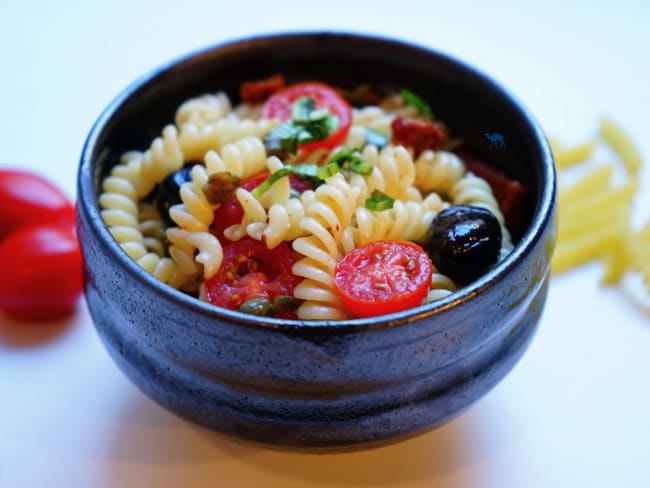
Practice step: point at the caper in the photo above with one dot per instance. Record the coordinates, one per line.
(256, 306)
(282, 303)
(463, 241)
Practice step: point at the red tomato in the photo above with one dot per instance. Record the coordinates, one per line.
(41, 267)
(278, 106)
(26, 198)
(383, 277)
(231, 212)
(250, 270)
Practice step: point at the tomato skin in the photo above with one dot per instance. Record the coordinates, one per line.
(278, 106)
(250, 270)
(382, 277)
(27, 198)
(42, 272)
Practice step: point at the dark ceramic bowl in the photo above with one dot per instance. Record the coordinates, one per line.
(321, 385)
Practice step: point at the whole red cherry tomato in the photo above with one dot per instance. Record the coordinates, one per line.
(41, 266)
(27, 198)
(250, 270)
(278, 106)
(383, 277)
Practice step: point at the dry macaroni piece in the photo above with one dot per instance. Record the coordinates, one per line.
(595, 209)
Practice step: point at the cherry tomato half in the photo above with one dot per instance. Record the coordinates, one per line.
(231, 212)
(250, 270)
(41, 267)
(278, 106)
(27, 198)
(383, 277)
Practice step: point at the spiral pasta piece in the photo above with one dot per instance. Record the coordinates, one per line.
(328, 214)
(135, 228)
(473, 190)
(405, 221)
(203, 110)
(440, 287)
(244, 157)
(438, 171)
(373, 117)
(195, 141)
(151, 226)
(396, 171)
(163, 157)
(195, 213)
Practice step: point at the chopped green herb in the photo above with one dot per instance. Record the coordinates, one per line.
(329, 169)
(352, 158)
(302, 109)
(379, 201)
(259, 190)
(360, 166)
(307, 124)
(413, 100)
(340, 156)
(376, 138)
(306, 171)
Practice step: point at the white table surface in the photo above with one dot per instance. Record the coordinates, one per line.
(574, 412)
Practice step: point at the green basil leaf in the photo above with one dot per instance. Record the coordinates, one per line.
(379, 201)
(413, 100)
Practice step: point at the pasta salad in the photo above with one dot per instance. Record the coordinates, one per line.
(308, 202)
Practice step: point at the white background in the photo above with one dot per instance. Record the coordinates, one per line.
(574, 412)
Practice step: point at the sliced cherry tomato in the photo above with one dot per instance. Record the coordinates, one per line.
(383, 277)
(278, 106)
(27, 198)
(41, 267)
(250, 270)
(231, 212)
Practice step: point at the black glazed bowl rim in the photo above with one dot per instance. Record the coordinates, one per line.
(89, 174)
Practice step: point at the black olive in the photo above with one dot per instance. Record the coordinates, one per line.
(169, 192)
(463, 241)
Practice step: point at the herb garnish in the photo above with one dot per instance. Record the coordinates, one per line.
(307, 124)
(379, 201)
(350, 158)
(413, 100)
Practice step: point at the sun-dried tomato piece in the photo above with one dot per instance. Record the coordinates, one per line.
(257, 91)
(416, 134)
(510, 193)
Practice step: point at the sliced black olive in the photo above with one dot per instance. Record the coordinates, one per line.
(169, 192)
(463, 242)
(256, 306)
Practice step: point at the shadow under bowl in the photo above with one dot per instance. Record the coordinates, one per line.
(320, 385)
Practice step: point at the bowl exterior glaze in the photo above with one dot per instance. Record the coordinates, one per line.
(319, 385)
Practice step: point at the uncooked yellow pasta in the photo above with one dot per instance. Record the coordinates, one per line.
(565, 157)
(595, 210)
(621, 142)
